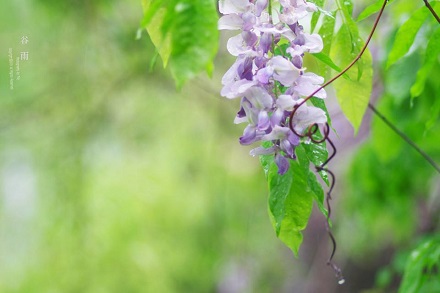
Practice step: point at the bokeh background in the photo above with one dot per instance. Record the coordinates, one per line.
(112, 180)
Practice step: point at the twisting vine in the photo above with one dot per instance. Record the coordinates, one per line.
(270, 79)
(314, 128)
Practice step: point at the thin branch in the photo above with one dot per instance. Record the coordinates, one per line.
(405, 138)
(376, 22)
(315, 128)
(432, 10)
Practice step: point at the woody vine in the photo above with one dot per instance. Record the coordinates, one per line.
(282, 102)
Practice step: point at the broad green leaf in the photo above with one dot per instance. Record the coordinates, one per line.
(317, 154)
(185, 34)
(371, 9)
(290, 198)
(355, 42)
(406, 34)
(421, 269)
(326, 32)
(150, 8)
(318, 192)
(153, 25)
(431, 56)
(353, 95)
(279, 189)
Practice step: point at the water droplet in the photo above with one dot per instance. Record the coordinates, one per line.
(341, 281)
(181, 7)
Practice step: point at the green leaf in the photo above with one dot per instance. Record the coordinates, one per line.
(346, 7)
(420, 270)
(326, 32)
(406, 34)
(350, 27)
(317, 154)
(431, 55)
(184, 33)
(290, 198)
(153, 24)
(150, 8)
(318, 192)
(353, 95)
(371, 9)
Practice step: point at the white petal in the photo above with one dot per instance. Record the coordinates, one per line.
(237, 46)
(232, 6)
(313, 78)
(313, 43)
(305, 116)
(284, 71)
(239, 120)
(230, 22)
(232, 74)
(285, 102)
(277, 132)
(259, 97)
(262, 151)
(236, 89)
(308, 84)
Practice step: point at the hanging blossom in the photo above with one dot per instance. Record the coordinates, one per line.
(270, 85)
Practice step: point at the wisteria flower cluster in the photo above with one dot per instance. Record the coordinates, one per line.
(268, 74)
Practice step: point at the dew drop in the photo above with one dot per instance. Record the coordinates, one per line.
(180, 7)
(341, 281)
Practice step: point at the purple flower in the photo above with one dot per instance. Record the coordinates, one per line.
(270, 85)
(308, 83)
(284, 70)
(306, 116)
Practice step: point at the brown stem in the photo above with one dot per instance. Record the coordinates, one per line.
(376, 22)
(405, 138)
(432, 10)
(314, 128)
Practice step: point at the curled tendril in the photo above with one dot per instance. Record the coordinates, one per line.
(314, 128)
(310, 134)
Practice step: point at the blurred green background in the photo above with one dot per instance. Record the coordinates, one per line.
(114, 181)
